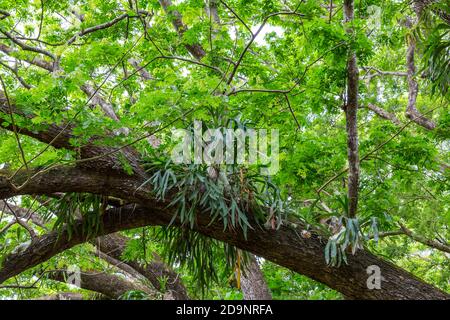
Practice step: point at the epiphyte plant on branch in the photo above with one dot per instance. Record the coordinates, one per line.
(233, 192)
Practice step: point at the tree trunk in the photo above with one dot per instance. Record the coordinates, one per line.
(253, 284)
(351, 111)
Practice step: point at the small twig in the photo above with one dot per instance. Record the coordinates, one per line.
(13, 123)
(238, 17)
(292, 111)
(26, 47)
(247, 47)
(16, 74)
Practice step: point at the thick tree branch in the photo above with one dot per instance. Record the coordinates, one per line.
(115, 244)
(27, 47)
(384, 114)
(253, 284)
(411, 110)
(283, 247)
(112, 286)
(195, 49)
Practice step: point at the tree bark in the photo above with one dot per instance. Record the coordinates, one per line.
(384, 114)
(114, 245)
(351, 110)
(253, 284)
(112, 286)
(195, 49)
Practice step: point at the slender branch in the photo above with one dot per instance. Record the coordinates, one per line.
(97, 28)
(292, 111)
(13, 123)
(425, 241)
(404, 231)
(19, 212)
(26, 47)
(16, 74)
(5, 14)
(41, 20)
(297, 81)
(377, 72)
(411, 111)
(254, 35)
(367, 155)
(384, 114)
(237, 16)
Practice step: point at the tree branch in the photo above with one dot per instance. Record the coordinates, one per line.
(351, 110)
(411, 111)
(195, 49)
(26, 47)
(384, 114)
(115, 244)
(282, 246)
(112, 286)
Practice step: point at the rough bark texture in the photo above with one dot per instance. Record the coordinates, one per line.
(112, 286)
(114, 245)
(19, 212)
(120, 265)
(96, 99)
(143, 73)
(420, 5)
(351, 110)
(253, 284)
